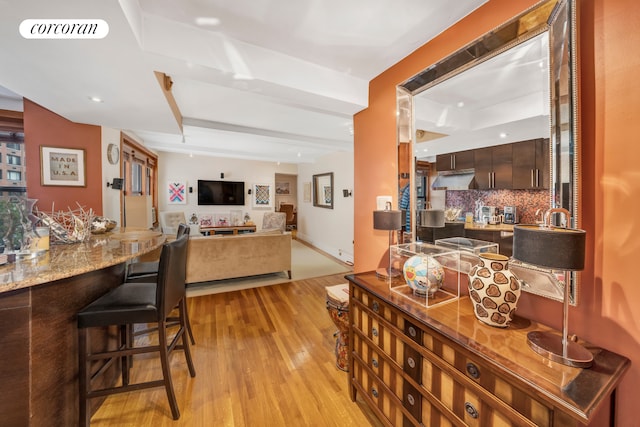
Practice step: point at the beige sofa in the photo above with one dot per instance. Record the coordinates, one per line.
(226, 256)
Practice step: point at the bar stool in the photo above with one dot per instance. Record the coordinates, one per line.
(147, 271)
(132, 303)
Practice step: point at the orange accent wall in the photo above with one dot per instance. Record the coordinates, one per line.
(43, 127)
(375, 133)
(610, 173)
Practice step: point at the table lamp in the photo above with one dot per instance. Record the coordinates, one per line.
(433, 218)
(390, 220)
(558, 249)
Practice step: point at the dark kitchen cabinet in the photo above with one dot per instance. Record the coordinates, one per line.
(504, 239)
(455, 161)
(493, 166)
(531, 164)
(431, 234)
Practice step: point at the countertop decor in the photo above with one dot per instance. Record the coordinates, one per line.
(72, 226)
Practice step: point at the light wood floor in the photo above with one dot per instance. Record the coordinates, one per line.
(263, 357)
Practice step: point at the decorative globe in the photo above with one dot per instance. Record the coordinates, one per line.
(423, 274)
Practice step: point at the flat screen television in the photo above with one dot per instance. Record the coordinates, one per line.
(220, 192)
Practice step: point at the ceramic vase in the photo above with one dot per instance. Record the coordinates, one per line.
(494, 290)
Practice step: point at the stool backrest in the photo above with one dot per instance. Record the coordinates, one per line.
(182, 229)
(172, 274)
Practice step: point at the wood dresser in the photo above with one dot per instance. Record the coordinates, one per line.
(440, 366)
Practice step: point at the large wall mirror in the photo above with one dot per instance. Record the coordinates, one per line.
(513, 84)
(323, 190)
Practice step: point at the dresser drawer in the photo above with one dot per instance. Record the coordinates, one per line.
(474, 393)
(378, 307)
(379, 365)
(380, 332)
(382, 389)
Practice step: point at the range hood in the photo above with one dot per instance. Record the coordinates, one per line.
(455, 180)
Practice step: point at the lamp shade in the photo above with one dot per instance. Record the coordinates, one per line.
(387, 220)
(551, 247)
(432, 218)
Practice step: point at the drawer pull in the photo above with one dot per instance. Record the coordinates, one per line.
(374, 331)
(374, 392)
(411, 362)
(412, 331)
(374, 362)
(473, 371)
(411, 399)
(375, 306)
(471, 410)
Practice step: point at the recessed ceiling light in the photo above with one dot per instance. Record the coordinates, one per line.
(96, 99)
(207, 21)
(503, 135)
(460, 104)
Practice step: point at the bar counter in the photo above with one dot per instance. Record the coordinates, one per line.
(39, 299)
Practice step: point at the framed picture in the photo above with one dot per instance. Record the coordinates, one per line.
(177, 193)
(282, 188)
(206, 220)
(262, 196)
(222, 220)
(62, 167)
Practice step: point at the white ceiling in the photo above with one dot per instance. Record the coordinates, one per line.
(502, 100)
(276, 80)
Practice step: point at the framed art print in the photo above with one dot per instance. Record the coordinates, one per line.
(62, 167)
(177, 193)
(262, 196)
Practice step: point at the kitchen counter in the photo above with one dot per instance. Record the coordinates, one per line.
(488, 227)
(64, 261)
(39, 299)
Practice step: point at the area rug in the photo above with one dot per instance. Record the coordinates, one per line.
(306, 263)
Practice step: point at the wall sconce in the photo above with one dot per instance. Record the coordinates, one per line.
(347, 193)
(116, 184)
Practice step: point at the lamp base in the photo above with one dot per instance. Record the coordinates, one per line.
(385, 273)
(550, 346)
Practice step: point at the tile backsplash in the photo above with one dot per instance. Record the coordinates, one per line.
(527, 202)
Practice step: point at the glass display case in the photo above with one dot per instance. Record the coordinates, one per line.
(425, 273)
(469, 250)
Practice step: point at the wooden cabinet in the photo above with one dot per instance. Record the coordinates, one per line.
(415, 366)
(493, 166)
(531, 164)
(454, 161)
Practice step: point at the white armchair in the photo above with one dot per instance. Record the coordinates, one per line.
(274, 220)
(169, 222)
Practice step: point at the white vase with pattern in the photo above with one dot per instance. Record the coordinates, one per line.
(494, 290)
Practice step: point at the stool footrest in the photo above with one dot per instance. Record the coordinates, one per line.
(125, 388)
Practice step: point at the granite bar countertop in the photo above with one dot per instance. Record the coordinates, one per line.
(67, 260)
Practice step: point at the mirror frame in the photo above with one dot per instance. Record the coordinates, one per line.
(558, 17)
(319, 197)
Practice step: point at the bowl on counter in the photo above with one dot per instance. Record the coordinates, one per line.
(101, 224)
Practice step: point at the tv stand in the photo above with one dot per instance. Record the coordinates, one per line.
(228, 229)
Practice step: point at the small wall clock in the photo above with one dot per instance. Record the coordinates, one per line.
(113, 153)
